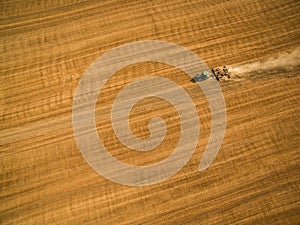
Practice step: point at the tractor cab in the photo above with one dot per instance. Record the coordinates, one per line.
(201, 77)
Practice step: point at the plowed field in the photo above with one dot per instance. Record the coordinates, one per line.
(46, 46)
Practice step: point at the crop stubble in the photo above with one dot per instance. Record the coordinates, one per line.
(47, 45)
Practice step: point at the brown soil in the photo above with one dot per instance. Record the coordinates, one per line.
(47, 45)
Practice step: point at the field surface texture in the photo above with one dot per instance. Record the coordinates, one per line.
(46, 47)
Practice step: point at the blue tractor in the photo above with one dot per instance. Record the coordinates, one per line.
(201, 77)
(216, 72)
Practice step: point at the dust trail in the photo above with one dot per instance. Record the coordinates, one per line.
(282, 60)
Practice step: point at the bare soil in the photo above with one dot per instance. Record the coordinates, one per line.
(47, 45)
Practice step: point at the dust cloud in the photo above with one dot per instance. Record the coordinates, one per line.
(282, 60)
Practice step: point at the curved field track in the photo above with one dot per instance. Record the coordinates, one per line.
(46, 46)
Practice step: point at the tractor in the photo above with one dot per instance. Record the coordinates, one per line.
(201, 77)
(215, 72)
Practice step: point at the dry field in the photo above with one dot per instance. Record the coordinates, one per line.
(46, 46)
